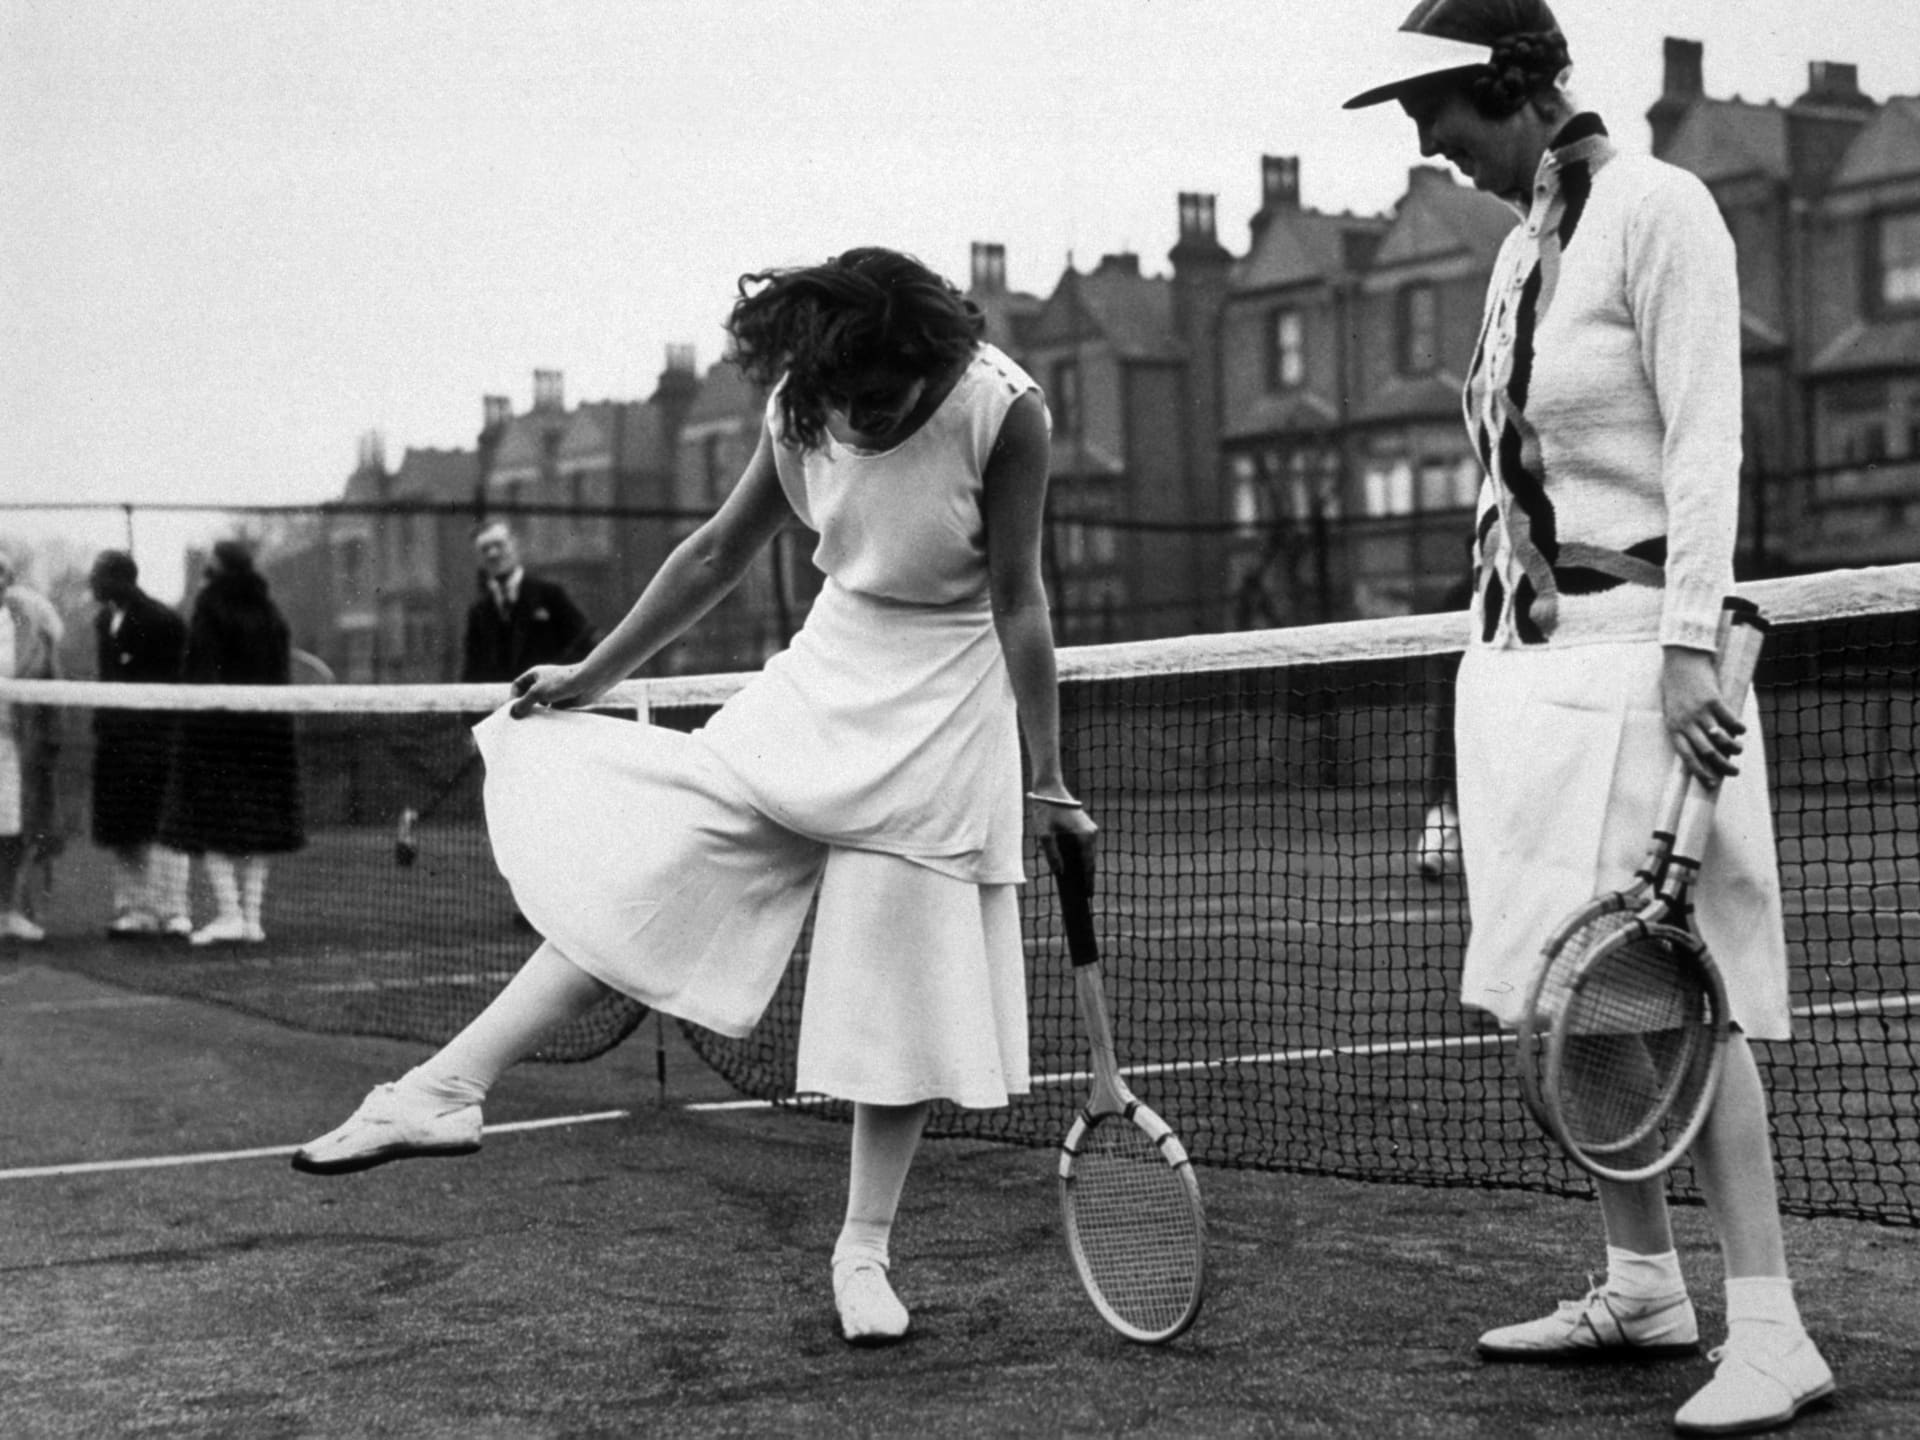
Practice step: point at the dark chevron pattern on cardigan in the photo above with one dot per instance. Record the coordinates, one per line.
(1513, 456)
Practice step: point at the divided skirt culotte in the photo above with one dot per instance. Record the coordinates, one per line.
(877, 761)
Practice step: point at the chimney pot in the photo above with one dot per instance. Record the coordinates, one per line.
(1685, 70)
(1196, 217)
(1280, 182)
(989, 268)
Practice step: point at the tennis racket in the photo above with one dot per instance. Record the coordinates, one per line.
(1634, 1054)
(1576, 937)
(1135, 1225)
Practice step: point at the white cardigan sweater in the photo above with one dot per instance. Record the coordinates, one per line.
(1604, 401)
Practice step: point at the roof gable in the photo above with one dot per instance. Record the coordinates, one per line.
(1131, 312)
(1438, 219)
(1727, 139)
(441, 475)
(725, 394)
(1887, 147)
(1299, 246)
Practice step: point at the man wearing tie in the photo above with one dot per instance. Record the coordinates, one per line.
(519, 620)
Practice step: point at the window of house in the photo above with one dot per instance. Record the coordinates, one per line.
(1063, 396)
(1246, 494)
(1899, 259)
(1419, 329)
(1386, 487)
(1286, 350)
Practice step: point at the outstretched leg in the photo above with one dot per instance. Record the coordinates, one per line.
(885, 1139)
(434, 1109)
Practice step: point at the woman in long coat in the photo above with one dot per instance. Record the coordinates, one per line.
(233, 789)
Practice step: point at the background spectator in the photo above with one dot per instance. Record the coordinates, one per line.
(233, 789)
(140, 641)
(520, 620)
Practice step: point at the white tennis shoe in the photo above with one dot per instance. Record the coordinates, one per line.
(1600, 1327)
(870, 1313)
(392, 1123)
(223, 930)
(1440, 842)
(15, 926)
(1768, 1374)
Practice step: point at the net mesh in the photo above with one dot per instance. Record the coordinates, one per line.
(1282, 972)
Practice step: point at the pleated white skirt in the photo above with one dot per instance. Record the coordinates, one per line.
(1563, 753)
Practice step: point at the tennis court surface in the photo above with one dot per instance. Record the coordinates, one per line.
(664, 1273)
(1283, 982)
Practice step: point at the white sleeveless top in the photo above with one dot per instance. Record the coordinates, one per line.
(889, 723)
(906, 523)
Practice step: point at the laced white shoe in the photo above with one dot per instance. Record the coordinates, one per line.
(132, 924)
(1600, 1327)
(177, 927)
(870, 1313)
(392, 1123)
(226, 930)
(15, 926)
(1763, 1381)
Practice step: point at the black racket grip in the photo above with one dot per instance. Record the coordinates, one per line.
(1073, 870)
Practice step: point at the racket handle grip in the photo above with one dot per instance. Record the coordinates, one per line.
(1746, 635)
(1073, 872)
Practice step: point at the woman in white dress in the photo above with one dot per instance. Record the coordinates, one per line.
(875, 763)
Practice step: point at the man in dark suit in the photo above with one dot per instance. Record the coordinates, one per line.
(519, 620)
(139, 641)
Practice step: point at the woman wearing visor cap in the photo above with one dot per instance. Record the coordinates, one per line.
(1604, 402)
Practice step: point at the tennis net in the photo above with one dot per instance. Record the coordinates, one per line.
(1283, 975)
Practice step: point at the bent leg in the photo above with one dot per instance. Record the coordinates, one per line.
(434, 1109)
(547, 992)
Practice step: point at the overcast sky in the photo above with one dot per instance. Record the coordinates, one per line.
(235, 236)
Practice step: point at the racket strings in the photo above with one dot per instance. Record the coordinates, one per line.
(1638, 1046)
(1137, 1232)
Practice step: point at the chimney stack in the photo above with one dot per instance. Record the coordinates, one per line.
(989, 275)
(1685, 84)
(1279, 182)
(548, 391)
(1821, 124)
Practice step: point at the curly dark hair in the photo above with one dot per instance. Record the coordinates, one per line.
(1522, 65)
(820, 325)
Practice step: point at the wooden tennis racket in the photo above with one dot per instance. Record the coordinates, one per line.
(1135, 1226)
(1637, 1038)
(1576, 937)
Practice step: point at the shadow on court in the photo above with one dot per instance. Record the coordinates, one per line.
(665, 1273)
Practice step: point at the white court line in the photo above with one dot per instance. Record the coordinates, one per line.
(215, 1157)
(1832, 1010)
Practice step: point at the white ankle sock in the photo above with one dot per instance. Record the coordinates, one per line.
(1633, 1276)
(863, 1240)
(1762, 1300)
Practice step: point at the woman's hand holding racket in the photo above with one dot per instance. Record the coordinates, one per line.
(1704, 731)
(1135, 1226)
